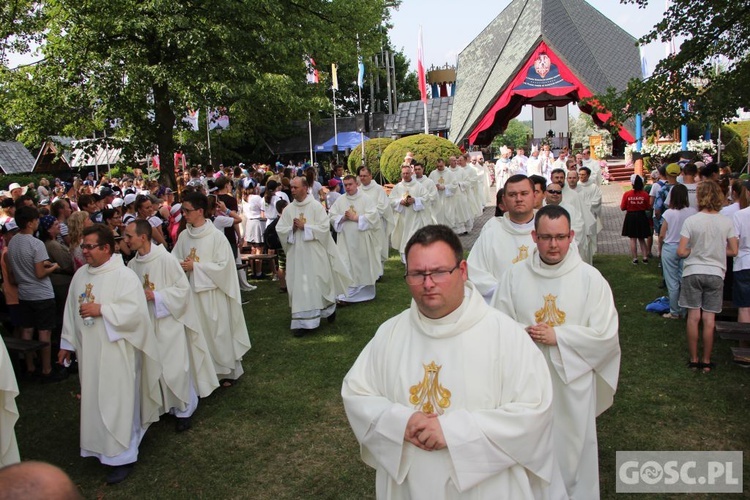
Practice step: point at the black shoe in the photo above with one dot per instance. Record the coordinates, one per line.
(119, 473)
(182, 424)
(298, 332)
(332, 317)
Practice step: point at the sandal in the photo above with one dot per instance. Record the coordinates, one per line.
(635, 262)
(694, 365)
(645, 261)
(708, 367)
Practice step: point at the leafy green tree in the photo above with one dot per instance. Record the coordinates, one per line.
(144, 63)
(709, 71)
(515, 135)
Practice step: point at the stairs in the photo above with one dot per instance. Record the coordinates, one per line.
(618, 171)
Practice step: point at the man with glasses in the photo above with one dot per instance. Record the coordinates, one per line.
(107, 324)
(579, 212)
(504, 241)
(205, 255)
(568, 310)
(450, 398)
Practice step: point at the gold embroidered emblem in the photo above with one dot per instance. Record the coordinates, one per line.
(428, 395)
(352, 210)
(147, 284)
(302, 218)
(523, 253)
(193, 256)
(550, 314)
(441, 181)
(406, 194)
(87, 297)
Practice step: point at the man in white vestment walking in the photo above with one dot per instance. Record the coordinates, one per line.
(444, 210)
(187, 369)
(451, 399)
(106, 323)
(409, 201)
(315, 272)
(568, 310)
(355, 218)
(206, 257)
(504, 241)
(376, 192)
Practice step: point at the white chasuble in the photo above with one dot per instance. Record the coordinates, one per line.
(500, 245)
(463, 203)
(444, 211)
(481, 374)
(118, 359)
(359, 241)
(316, 273)
(182, 345)
(576, 300)
(217, 296)
(410, 218)
(376, 193)
(8, 410)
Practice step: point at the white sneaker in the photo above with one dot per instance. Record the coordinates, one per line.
(248, 288)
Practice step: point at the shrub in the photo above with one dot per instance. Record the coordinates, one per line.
(427, 149)
(374, 149)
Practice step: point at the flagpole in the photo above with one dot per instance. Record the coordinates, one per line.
(360, 82)
(309, 131)
(208, 135)
(422, 79)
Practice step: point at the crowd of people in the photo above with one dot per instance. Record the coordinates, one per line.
(698, 214)
(172, 330)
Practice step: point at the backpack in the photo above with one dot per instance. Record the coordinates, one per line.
(661, 197)
(271, 237)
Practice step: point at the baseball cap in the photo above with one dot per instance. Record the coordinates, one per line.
(673, 169)
(129, 199)
(10, 225)
(117, 202)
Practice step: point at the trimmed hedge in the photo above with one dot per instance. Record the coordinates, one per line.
(374, 149)
(427, 149)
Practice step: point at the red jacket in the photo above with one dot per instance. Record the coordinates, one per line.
(635, 201)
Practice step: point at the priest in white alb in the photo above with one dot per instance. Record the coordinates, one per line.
(315, 272)
(206, 257)
(504, 241)
(464, 214)
(568, 310)
(431, 200)
(450, 399)
(187, 369)
(444, 211)
(409, 203)
(377, 194)
(106, 323)
(355, 218)
(8, 410)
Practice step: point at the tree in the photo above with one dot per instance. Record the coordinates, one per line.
(709, 71)
(515, 135)
(146, 62)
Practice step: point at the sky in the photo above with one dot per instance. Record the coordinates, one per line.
(447, 30)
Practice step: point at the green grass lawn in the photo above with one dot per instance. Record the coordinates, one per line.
(282, 433)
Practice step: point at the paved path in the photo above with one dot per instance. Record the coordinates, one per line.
(610, 242)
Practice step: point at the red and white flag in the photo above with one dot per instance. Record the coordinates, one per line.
(420, 68)
(312, 71)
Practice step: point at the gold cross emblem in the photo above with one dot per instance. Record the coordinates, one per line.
(428, 395)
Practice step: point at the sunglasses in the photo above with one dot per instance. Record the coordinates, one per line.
(553, 191)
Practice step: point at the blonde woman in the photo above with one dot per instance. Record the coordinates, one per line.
(77, 222)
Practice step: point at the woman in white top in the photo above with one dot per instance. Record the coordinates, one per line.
(669, 238)
(312, 181)
(255, 224)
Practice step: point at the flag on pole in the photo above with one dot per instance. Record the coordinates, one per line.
(218, 118)
(361, 73)
(334, 77)
(420, 68)
(191, 119)
(644, 63)
(312, 71)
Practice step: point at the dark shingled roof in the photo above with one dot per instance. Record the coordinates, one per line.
(596, 50)
(410, 117)
(15, 158)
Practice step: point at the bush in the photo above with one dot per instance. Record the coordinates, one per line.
(427, 149)
(374, 149)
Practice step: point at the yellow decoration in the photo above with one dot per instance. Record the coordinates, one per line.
(192, 256)
(352, 210)
(441, 180)
(428, 395)
(550, 314)
(147, 285)
(87, 297)
(523, 253)
(302, 218)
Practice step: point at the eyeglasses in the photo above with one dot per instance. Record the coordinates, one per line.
(549, 237)
(187, 210)
(554, 191)
(436, 276)
(90, 246)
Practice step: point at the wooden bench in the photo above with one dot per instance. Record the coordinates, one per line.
(248, 259)
(24, 346)
(741, 354)
(730, 330)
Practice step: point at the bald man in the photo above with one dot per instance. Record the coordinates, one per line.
(36, 481)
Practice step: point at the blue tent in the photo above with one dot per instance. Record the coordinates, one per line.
(346, 140)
